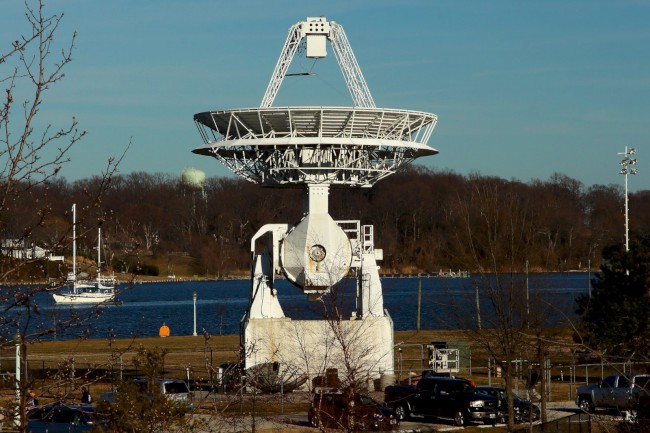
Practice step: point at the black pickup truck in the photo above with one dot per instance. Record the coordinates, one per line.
(442, 397)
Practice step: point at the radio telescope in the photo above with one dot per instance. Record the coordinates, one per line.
(315, 148)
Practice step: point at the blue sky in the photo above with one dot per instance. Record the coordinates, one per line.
(522, 89)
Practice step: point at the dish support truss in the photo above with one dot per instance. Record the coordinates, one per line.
(313, 32)
(296, 146)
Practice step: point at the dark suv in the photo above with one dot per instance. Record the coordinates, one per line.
(360, 412)
(59, 418)
(522, 409)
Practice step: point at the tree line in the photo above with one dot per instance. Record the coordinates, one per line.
(418, 215)
(424, 221)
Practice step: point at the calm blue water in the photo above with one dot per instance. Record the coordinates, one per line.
(445, 303)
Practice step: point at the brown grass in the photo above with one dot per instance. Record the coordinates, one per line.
(195, 352)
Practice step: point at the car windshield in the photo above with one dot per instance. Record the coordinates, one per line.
(369, 401)
(176, 388)
(643, 382)
(500, 393)
(458, 387)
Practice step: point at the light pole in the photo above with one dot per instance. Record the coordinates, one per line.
(627, 161)
(194, 296)
(17, 417)
(527, 293)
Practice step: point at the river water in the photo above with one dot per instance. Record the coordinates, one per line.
(445, 303)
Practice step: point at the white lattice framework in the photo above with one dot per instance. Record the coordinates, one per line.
(285, 146)
(342, 51)
(302, 145)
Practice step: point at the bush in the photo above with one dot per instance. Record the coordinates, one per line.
(146, 269)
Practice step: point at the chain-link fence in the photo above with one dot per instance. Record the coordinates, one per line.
(578, 423)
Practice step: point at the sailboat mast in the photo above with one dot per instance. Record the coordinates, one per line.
(99, 254)
(74, 242)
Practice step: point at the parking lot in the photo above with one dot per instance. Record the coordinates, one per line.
(290, 421)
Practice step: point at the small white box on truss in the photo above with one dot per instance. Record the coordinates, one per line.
(316, 30)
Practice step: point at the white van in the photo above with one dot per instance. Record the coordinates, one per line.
(173, 389)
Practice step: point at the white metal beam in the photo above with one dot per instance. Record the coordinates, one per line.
(286, 56)
(348, 64)
(350, 68)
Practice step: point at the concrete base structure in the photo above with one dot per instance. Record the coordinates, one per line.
(360, 346)
(361, 349)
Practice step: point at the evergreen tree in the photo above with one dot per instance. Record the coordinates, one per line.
(615, 319)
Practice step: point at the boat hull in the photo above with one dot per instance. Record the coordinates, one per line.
(83, 298)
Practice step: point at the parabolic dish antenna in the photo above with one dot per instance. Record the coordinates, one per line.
(316, 147)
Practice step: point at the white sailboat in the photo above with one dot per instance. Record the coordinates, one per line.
(85, 291)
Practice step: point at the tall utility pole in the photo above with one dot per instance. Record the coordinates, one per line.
(627, 161)
(194, 297)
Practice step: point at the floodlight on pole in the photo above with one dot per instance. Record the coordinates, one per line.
(625, 163)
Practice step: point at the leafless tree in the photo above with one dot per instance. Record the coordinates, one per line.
(32, 152)
(338, 354)
(496, 232)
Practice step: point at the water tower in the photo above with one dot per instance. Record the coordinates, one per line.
(315, 148)
(194, 180)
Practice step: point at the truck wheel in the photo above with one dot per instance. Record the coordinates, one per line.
(586, 404)
(459, 418)
(401, 412)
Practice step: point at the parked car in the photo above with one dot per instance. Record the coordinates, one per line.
(617, 391)
(336, 410)
(442, 397)
(522, 408)
(59, 418)
(173, 389)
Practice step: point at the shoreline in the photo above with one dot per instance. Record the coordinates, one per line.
(141, 279)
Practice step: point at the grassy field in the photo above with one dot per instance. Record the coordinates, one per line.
(99, 361)
(105, 357)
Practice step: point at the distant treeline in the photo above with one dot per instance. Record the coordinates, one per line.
(420, 219)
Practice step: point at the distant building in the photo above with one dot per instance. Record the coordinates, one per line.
(21, 249)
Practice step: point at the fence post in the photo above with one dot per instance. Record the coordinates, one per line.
(549, 382)
(571, 380)
(602, 369)
(211, 373)
(489, 372)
